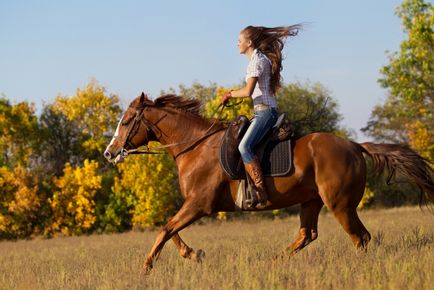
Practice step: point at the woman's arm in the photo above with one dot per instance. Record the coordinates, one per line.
(242, 93)
(247, 90)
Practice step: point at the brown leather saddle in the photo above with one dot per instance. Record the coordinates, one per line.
(274, 151)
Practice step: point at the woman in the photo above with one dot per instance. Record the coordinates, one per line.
(263, 47)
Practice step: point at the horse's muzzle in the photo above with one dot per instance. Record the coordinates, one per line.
(119, 158)
(108, 155)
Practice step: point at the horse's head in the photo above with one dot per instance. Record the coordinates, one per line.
(133, 131)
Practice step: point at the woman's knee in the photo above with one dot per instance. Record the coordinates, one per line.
(246, 153)
(243, 149)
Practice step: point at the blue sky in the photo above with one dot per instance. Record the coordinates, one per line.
(49, 48)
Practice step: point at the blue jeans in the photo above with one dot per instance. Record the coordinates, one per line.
(263, 121)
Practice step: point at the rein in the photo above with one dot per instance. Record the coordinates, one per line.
(157, 149)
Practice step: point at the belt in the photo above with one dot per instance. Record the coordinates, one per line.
(261, 107)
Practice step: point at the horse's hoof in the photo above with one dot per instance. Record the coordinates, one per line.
(147, 269)
(198, 256)
(291, 253)
(277, 258)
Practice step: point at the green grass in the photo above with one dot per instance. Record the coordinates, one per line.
(238, 256)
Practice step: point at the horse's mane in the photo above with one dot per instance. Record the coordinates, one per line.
(180, 103)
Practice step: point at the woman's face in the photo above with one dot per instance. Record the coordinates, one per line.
(243, 43)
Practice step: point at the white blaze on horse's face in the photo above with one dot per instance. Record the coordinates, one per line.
(107, 153)
(116, 133)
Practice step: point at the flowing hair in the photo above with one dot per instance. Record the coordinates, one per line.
(270, 41)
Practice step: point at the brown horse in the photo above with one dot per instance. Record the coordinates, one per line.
(326, 170)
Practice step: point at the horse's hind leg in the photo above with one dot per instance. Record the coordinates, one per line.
(340, 176)
(185, 251)
(342, 200)
(351, 223)
(308, 225)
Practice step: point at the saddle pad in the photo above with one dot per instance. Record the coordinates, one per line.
(276, 160)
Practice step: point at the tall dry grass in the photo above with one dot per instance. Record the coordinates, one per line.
(238, 256)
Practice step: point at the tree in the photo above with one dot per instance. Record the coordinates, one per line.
(235, 106)
(60, 142)
(407, 114)
(196, 91)
(73, 204)
(147, 188)
(19, 203)
(18, 131)
(93, 113)
(311, 108)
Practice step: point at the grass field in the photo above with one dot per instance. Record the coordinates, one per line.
(238, 256)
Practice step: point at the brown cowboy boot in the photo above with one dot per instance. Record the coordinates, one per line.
(254, 170)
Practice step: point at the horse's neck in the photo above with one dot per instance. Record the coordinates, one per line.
(180, 128)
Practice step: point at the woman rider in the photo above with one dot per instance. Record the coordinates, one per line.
(263, 47)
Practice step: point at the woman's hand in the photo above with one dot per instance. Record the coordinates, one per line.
(226, 97)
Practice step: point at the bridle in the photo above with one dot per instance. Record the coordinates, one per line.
(134, 125)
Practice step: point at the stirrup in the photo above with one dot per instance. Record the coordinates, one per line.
(251, 203)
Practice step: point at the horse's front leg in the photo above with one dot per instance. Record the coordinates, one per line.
(187, 252)
(188, 213)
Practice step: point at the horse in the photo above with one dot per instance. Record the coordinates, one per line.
(327, 170)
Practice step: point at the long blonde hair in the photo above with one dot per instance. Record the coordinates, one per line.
(270, 41)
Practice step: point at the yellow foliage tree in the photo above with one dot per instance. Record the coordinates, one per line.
(19, 202)
(73, 203)
(421, 138)
(234, 109)
(93, 111)
(149, 184)
(367, 199)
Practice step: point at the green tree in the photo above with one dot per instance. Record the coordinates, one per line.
(18, 132)
(196, 91)
(406, 116)
(311, 108)
(407, 113)
(60, 142)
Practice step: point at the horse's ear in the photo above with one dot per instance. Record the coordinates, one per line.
(142, 100)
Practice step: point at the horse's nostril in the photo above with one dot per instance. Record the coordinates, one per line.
(107, 155)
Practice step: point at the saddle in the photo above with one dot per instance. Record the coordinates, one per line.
(274, 151)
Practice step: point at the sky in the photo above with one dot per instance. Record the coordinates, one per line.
(51, 48)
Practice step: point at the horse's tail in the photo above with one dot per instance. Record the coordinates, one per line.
(403, 161)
